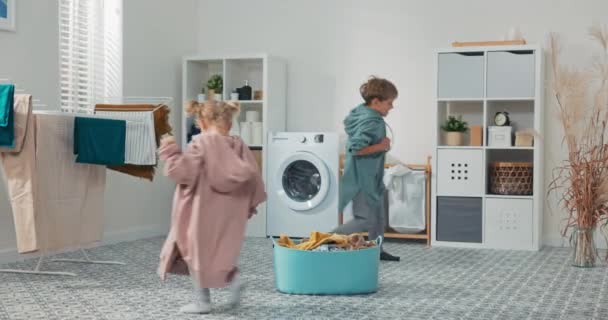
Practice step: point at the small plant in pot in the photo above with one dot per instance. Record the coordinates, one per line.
(215, 84)
(455, 128)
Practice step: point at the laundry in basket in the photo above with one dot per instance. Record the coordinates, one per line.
(310, 272)
(406, 198)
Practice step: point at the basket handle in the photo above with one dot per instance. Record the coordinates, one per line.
(379, 241)
(274, 242)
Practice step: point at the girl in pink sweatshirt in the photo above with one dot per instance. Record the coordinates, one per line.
(218, 188)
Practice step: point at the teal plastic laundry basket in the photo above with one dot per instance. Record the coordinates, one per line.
(326, 273)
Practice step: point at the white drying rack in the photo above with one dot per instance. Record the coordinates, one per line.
(136, 100)
(157, 101)
(86, 259)
(37, 270)
(107, 100)
(126, 100)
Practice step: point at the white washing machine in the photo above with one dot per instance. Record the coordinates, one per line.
(302, 183)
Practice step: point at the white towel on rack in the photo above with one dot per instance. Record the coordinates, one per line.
(140, 140)
(139, 147)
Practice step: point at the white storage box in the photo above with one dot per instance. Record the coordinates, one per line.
(500, 136)
(460, 172)
(511, 74)
(460, 75)
(509, 224)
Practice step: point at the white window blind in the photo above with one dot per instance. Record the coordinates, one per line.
(90, 52)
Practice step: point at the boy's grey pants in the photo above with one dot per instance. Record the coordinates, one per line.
(366, 218)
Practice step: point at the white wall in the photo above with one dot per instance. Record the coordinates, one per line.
(332, 46)
(156, 36)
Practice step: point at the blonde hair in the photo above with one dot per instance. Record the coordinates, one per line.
(217, 113)
(378, 88)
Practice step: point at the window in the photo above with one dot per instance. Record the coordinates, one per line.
(90, 52)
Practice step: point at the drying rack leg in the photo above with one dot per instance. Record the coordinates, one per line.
(88, 260)
(38, 272)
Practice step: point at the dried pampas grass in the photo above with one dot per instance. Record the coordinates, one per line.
(581, 181)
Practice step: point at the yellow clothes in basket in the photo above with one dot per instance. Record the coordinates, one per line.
(350, 242)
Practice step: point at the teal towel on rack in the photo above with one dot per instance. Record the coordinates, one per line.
(99, 141)
(7, 115)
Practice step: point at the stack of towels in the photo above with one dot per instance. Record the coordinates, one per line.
(252, 129)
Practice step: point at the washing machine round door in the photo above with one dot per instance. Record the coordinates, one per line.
(304, 181)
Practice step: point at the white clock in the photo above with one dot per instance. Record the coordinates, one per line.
(502, 119)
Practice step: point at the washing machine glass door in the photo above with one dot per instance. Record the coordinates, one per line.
(303, 180)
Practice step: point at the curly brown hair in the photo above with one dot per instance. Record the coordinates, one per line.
(378, 88)
(218, 113)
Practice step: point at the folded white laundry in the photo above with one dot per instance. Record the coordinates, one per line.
(252, 116)
(246, 132)
(257, 134)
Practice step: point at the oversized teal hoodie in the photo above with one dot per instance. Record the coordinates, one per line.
(364, 127)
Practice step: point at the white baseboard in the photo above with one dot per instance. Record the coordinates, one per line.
(555, 242)
(133, 234)
(11, 255)
(565, 242)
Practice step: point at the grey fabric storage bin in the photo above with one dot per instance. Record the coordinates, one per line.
(459, 219)
(511, 74)
(460, 75)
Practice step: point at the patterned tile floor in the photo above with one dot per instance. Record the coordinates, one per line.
(437, 283)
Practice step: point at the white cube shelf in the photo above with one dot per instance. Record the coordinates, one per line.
(262, 72)
(460, 172)
(508, 223)
(476, 83)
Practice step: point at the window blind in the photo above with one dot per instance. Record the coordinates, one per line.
(90, 53)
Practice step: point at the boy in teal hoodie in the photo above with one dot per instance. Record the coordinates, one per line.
(366, 148)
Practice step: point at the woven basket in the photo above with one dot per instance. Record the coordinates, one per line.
(511, 178)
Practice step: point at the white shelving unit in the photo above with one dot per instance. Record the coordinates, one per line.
(263, 72)
(476, 83)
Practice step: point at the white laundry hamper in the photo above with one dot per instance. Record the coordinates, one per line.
(406, 199)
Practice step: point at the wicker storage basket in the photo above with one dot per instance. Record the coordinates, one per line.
(511, 178)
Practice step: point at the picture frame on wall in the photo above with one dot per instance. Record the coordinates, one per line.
(7, 15)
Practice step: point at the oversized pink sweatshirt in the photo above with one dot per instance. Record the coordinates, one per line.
(218, 188)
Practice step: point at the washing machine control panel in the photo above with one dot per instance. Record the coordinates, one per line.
(318, 138)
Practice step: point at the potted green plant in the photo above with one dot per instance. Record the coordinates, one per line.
(215, 84)
(455, 128)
